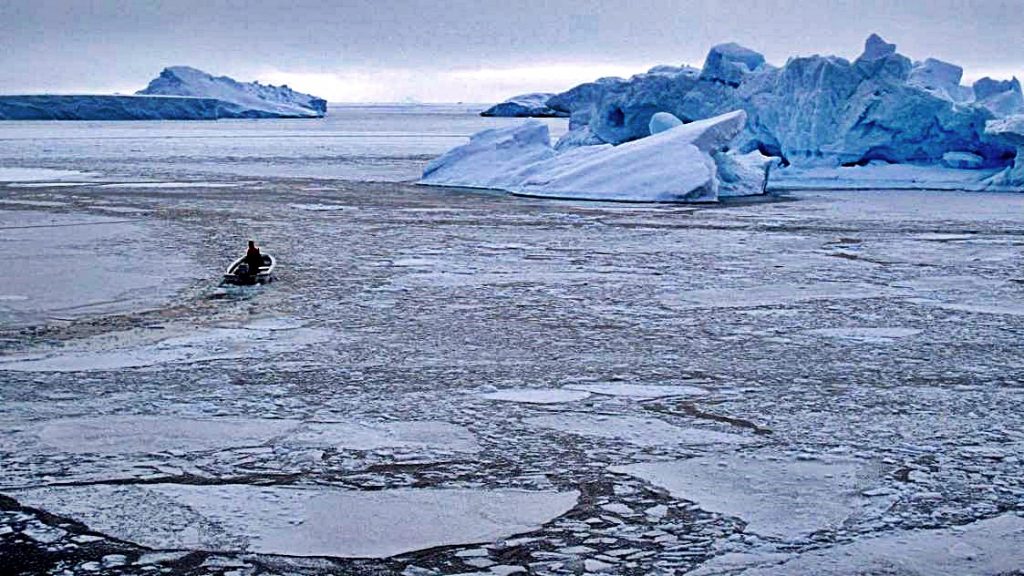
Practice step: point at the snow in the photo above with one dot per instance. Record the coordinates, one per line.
(984, 548)
(648, 432)
(787, 499)
(243, 99)
(537, 395)
(676, 165)
(300, 521)
(639, 390)
(525, 105)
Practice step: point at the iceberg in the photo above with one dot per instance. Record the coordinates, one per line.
(248, 99)
(179, 93)
(108, 107)
(686, 163)
(813, 111)
(1011, 132)
(525, 106)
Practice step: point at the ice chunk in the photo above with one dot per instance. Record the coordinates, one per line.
(940, 78)
(1010, 131)
(538, 395)
(533, 105)
(729, 63)
(962, 160)
(1001, 97)
(492, 158)
(300, 521)
(662, 121)
(743, 174)
(635, 430)
(672, 166)
(875, 48)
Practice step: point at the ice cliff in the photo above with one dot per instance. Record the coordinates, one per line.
(812, 111)
(179, 93)
(249, 99)
(525, 105)
(681, 163)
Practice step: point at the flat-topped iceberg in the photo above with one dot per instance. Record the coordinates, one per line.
(684, 163)
(533, 105)
(179, 93)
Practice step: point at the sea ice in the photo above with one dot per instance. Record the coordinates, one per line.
(537, 395)
(300, 521)
(635, 430)
(984, 548)
(639, 390)
(431, 435)
(199, 345)
(778, 499)
(122, 434)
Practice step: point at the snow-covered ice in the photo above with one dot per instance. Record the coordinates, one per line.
(301, 521)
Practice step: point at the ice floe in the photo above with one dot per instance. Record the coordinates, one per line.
(198, 345)
(300, 520)
(776, 498)
(635, 430)
(983, 548)
(537, 395)
(639, 390)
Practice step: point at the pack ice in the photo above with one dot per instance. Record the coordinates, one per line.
(681, 163)
(812, 111)
(179, 93)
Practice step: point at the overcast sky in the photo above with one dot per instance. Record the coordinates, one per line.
(467, 50)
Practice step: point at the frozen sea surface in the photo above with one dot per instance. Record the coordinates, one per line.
(818, 384)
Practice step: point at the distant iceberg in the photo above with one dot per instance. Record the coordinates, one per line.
(249, 99)
(525, 106)
(681, 163)
(179, 93)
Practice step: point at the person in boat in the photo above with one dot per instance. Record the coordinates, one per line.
(253, 258)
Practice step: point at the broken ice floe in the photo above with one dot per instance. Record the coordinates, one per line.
(635, 430)
(986, 547)
(300, 520)
(537, 395)
(639, 390)
(776, 498)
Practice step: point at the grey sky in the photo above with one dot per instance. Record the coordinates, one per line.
(470, 50)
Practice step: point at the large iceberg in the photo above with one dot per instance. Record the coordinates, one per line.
(685, 163)
(179, 93)
(249, 99)
(533, 105)
(813, 111)
(108, 107)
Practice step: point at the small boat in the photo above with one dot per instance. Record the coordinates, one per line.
(238, 272)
